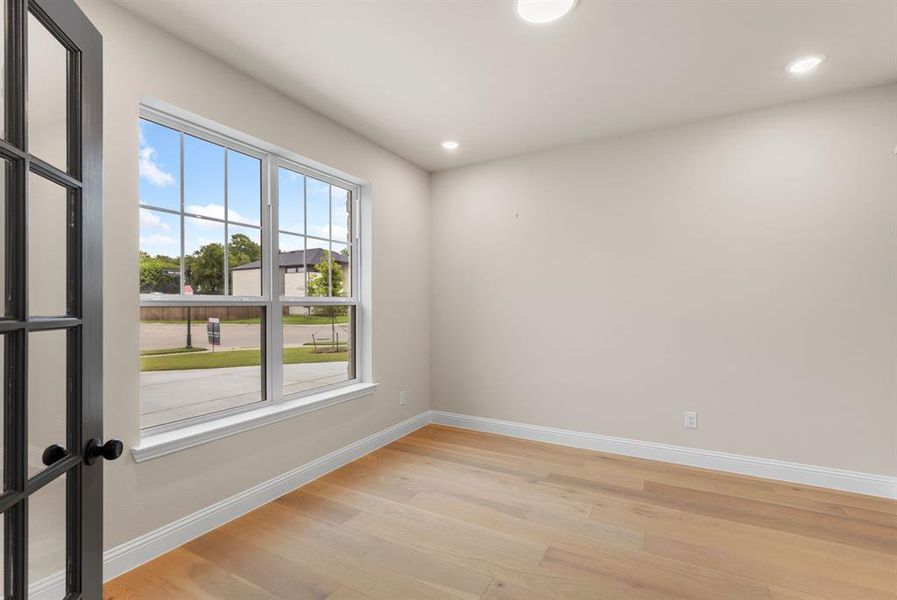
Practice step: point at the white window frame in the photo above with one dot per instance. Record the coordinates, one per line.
(163, 439)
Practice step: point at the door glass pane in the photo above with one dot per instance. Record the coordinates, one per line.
(4, 177)
(47, 375)
(46, 531)
(317, 347)
(183, 377)
(3, 548)
(204, 256)
(244, 260)
(47, 234)
(159, 165)
(47, 95)
(2, 418)
(2, 87)
(291, 200)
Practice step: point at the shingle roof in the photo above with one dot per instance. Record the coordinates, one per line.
(296, 258)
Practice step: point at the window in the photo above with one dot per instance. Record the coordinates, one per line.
(248, 292)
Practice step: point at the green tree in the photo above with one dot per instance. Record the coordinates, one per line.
(241, 250)
(328, 281)
(205, 269)
(159, 274)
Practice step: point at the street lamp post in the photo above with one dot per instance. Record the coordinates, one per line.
(188, 291)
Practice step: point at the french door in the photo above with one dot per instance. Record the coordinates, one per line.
(51, 322)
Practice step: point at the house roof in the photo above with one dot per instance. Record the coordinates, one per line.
(296, 258)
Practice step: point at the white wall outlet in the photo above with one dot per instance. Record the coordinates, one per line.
(402, 399)
(691, 419)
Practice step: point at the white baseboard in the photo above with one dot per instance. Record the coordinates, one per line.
(838, 479)
(122, 559)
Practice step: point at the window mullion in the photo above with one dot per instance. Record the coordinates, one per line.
(183, 260)
(272, 278)
(226, 273)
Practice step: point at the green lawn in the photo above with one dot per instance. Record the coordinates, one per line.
(287, 320)
(234, 358)
(170, 351)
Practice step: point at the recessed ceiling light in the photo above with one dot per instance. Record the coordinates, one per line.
(805, 64)
(450, 145)
(543, 11)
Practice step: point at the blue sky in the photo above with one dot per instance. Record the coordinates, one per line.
(204, 190)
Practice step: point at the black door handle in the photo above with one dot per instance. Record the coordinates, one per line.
(96, 449)
(52, 454)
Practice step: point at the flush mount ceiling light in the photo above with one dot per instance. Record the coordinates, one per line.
(805, 64)
(450, 145)
(543, 11)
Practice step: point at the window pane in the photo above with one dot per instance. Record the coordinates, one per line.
(185, 374)
(340, 270)
(318, 347)
(341, 210)
(204, 256)
(159, 166)
(244, 260)
(317, 195)
(160, 252)
(291, 272)
(291, 200)
(318, 267)
(203, 178)
(47, 234)
(47, 400)
(244, 188)
(46, 531)
(47, 95)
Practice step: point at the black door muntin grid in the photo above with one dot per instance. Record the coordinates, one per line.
(81, 323)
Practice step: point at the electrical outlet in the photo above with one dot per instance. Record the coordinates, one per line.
(691, 419)
(402, 399)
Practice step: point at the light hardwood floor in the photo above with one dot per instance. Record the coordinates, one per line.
(446, 514)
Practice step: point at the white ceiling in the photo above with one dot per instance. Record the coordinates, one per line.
(411, 73)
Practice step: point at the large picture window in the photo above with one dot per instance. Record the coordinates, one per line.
(248, 289)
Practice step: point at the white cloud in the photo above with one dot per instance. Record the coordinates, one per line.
(151, 220)
(150, 169)
(158, 239)
(340, 233)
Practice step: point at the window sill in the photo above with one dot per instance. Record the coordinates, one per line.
(160, 444)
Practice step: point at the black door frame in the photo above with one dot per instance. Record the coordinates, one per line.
(83, 319)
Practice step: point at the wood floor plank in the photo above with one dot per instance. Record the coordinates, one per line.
(448, 514)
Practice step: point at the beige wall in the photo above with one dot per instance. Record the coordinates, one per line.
(744, 267)
(141, 60)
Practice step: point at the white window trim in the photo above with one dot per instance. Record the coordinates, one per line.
(163, 443)
(172, 437)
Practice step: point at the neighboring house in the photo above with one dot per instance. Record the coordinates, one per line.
(246, 280)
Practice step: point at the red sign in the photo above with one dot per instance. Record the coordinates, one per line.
(188, 290)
